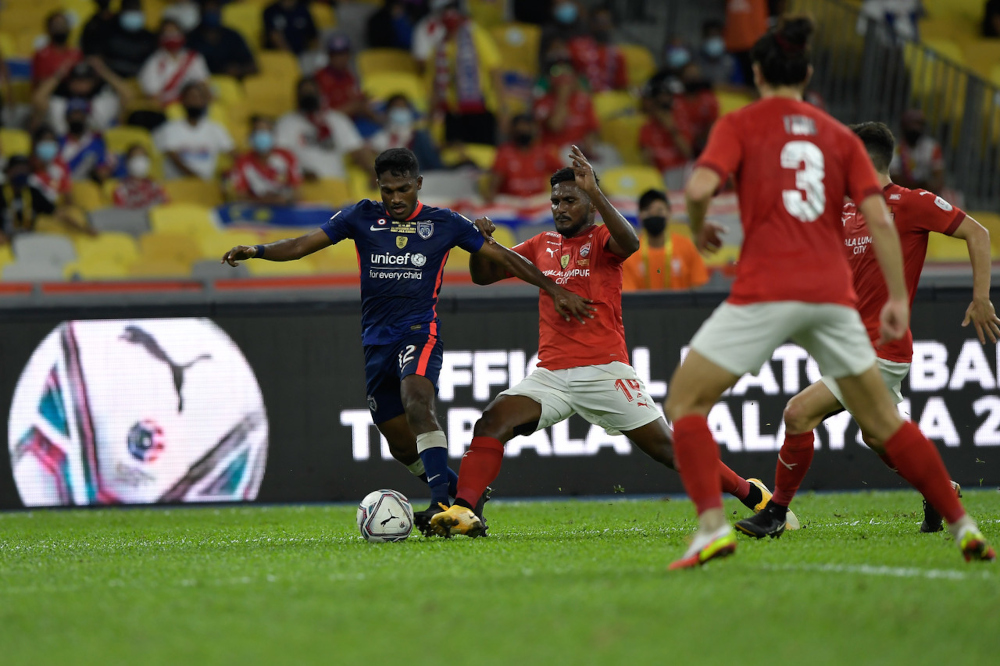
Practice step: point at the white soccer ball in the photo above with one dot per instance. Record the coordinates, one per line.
(385, 515)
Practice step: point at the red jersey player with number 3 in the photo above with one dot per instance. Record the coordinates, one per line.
(582, 369)
(916, 213)
(793, 166)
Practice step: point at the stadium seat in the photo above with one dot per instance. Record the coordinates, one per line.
(518, 44)
(280, 66)
(458, 261)
(482, 155)
(631, 181)
(181, 218)
(214, 245)
(329, 191)
(946, 248)
(96, 269)
(623, 134)
(31, 271)
(948, 27)
(731, 101)
(386, 61)
(175, 247)
(487, 13)
(6, 256)
(226, 90)
(159, 267)
(194, 191)
(14, 141)
(88, 195)
(970, 10)
(991, 221)
(44, 248)
(504, 235)
(382, 86)
(7, 47)
(361, 184)
(981, 55)
(280, 268)
(726, 256)
(269, 96)
(323, 16)
(246, 19)
(134, 222)
(114, 246)
(639, 62)
(341, 258)
(613, 103)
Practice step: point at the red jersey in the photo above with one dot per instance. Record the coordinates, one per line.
(259, 177)
(661, 144)
(915, 213)
(602, 64)
(47, 61)
(585, 266)
(700, 109)
(52, 180)
(794, 165)
(338, 87)
(135, 193)
(582, 118)
(525, 172)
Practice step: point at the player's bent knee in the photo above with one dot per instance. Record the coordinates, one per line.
(491, 425)
(797, 418)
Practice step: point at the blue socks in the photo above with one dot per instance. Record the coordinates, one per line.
(439, 476)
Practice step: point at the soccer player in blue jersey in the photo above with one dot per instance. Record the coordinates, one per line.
(402, 249)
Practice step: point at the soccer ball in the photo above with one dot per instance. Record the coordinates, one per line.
(385, 515)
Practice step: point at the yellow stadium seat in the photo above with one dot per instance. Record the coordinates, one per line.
(640, 63)
(386, 84)
(7, 48)
(383, 61)
(481, 154)
(268, 96)
(159, 267)
(280, 268)
(518, 44)
(87, 195)
(731, 101)
(185, 219)
(323, 16)
(246, 19)
(194, 191)
(504, 235)
(631, 181)
(26, 42)
(22, 17)
(279, 66)
(213, 246)
(487, 13)
(726, 256)
(623, 134)
(177, 247)
(112, 246)
(339, 258)
(96, 269)
(458, 261)
(6, 256)
(226, 90)
(992, 223)
(948, 27)
(946, 248)
(14, 141)
(330, 191)
(971, 10)
(613, 103)
(281, 233)
(981, 55)
(361, 184)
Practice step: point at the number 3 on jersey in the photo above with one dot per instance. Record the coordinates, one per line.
(808, 200)
(406, 356)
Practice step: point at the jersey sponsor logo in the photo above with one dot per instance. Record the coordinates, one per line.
(859, 244)
(372, 405)
(401, 241)
(585, 250)
(390, 259)
(583, 262)
(895, 197)
(419, 260)
(942, 204)
(381, 225)
(551, 251)
(564, 260)
(799, 125)
(425, 229)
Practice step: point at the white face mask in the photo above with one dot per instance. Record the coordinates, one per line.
(138, 166)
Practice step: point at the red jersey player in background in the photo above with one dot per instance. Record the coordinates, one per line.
(916, 213)
(581, 369)
(793, 166)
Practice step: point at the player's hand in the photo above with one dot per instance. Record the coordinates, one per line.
(486, 228)
(984, 318)
(238, 253)
(585, 178)
(569, 305)
(710, 237)
(894, 321)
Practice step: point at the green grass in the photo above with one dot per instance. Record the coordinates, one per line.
(556, 583)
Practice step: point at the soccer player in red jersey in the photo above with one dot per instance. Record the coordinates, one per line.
(916, 213)
(581, 369)
(793, 166)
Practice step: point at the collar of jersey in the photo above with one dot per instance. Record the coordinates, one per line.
(416, 211)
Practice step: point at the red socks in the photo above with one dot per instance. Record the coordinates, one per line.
(918, 461)
(480, 467)
(697, 457)
(733, 483)
(793, 462)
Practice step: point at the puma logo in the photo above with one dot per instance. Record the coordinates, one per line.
(552, 253)
(391, 517)
(789, 466)
(137, 336)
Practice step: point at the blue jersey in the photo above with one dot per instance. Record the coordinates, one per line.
(402, 264)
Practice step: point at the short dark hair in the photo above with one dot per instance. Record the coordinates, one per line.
(649, 196)
(399, 162)
(879, 142)
(42, 132)
(783, 52)
(565, 175)
(711, 24)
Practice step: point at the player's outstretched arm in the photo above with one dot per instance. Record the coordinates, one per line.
(287, 249)
(895, 319)
(698, 194)
(980, 313)
(624, 241)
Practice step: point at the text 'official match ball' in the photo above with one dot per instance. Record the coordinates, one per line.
(385, 515)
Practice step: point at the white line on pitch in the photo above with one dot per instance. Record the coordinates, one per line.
(885, 571)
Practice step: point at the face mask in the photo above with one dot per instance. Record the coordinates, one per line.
(132, 20)
(565, 13)
(400, 117)
(172, 43)
(654, 225)
(523, 139)
(678, 57)
(59, 38)
(714, 47)
(309, 103)
(138, 166)
(77, 126)
(262, 141)
(46, 151)
(195, 113)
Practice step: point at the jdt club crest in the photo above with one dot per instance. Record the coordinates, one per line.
(425, 229)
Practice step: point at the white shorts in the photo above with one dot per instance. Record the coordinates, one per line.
(610, 396)
(741, 338)
(893, 374)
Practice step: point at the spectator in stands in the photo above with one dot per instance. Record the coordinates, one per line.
(401, 131)
(991, 19)
(91, 80)
(896, 19)
(597, 57)
(918, 162)
(185, 13)
(225, 51)
(746, 21)
(322, 139)
(98, 29)
(288, 26)
(50, 180)
(665, 139)
(171, 67)
(676, 55)
(82, 150)
(565, 25)
(137, 190)
(391, 27)
(697, 104)
(466, 81)
(665, 260)
(429, 32)
(524, 164)
(265, 174)
(340, 89)
(56, 57)
(718, 66)
(566, 113)
(130, 44)
(192, 145)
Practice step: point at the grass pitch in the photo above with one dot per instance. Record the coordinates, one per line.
(556, 583)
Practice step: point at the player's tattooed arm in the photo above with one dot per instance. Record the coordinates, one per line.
(287, 249)
(624, 240)
(980, 312)
(700, 189)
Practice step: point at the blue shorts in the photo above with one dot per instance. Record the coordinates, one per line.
(387, 365)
